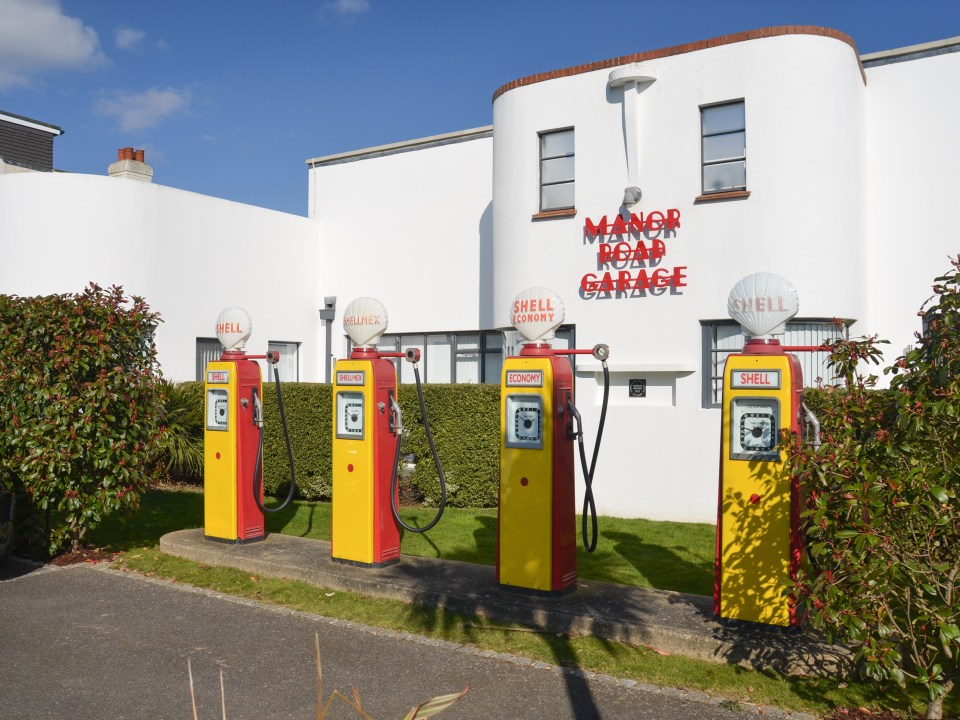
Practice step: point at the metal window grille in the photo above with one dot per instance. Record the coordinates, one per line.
(208, 350)
(465, 357)
(723, 337)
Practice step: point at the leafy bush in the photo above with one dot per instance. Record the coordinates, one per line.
(81, 408)
(464, 419)
(180, 445)
(882, 571)
(465, 422)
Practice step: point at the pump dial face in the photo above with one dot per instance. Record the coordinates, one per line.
(527, 423)
(353, 417)
(757, 431)
(754, 428)
(350, 415)
(523, 423)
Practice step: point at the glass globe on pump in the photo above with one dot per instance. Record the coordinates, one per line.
(234, 328)
(536, 314)
(365, 320)
(763, 303)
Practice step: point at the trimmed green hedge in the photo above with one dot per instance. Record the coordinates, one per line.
(465, 420)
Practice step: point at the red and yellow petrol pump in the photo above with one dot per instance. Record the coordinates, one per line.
(367, 433)
(233, 436)
(536, 533)
(758, 529)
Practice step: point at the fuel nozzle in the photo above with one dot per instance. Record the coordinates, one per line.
(601, 351)
(257, 409)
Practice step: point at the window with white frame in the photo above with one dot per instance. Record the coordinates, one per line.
(724, 147)
(457, 357)
(556, 170)
(722, 337)
(288, 367)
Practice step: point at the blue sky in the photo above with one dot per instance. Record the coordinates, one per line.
(230, 98)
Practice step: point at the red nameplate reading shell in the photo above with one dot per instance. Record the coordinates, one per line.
(758, 379)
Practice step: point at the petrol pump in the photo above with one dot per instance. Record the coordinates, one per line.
(233, 436)
(367, 436)
(536, 521)
(758, 514)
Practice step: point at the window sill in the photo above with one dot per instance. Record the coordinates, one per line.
(549, 214)
(716, 197)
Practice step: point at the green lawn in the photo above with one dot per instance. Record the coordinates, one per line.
(663, 555)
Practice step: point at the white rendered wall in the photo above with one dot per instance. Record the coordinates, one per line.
(412, 229)
(804, 220)
(188, 255)
(913, 156)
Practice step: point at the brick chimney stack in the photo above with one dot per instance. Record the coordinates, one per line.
(130, 164)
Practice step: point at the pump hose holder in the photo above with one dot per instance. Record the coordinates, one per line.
(413, 356)
(273, 357)
(600, 352)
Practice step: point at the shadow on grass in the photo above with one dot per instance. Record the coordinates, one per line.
(160, 512)
(663, 567)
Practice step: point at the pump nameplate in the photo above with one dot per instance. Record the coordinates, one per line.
(351, 377)
(755, 379)
(524, 378)
(218, 377)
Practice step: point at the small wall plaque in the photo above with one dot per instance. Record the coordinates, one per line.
(638, 388)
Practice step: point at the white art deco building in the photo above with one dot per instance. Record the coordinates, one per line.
(640, 189)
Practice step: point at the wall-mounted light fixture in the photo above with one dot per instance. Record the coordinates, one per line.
(633, 78)
(328, 313)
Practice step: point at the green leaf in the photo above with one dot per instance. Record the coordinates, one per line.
(940, 493)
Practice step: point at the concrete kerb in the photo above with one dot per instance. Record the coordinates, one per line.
(668, 622)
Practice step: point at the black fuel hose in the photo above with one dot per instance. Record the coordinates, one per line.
(589, 506)
(258, 470)
(394, 483)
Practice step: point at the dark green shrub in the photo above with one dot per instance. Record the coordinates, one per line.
(81, 409)
(465, 421)
(882, 571)
(308, 411)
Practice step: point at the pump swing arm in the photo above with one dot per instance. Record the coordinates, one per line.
(601, 352)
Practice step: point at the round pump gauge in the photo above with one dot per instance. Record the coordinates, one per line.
(756, 431)
(755, 428)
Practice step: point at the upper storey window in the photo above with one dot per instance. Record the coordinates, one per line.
(556, 170)
(724, 144)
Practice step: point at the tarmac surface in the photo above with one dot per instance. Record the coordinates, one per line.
(87, 641)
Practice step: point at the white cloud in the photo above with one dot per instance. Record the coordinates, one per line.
(129, 38)
(346, 9)
(36, 37)
(139, 111)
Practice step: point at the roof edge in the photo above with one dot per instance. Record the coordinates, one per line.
(910, 52)
(767, 32)
(404, 146)
(30, 123)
